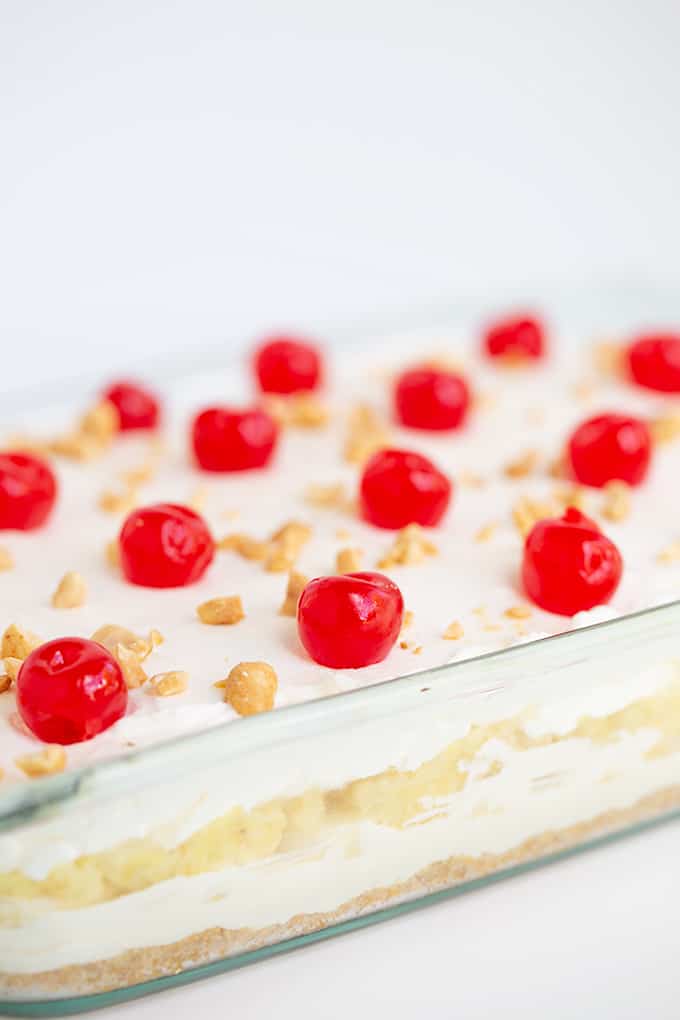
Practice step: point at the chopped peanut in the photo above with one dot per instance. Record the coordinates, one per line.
(527, 512)
(285, 546)
(129, 662)
(470, 480)
(522, 466)
(5, 682)
(608, 358)
(301, 410)
(331, 496)
(348, 560)
(198, 498)
(617, 501)
(18, 643)
(117, 502)
(100, 423)
(518, 612)
(454, 631)
(6, 560)
(486, 532)
(111, 635)
(245, 546)
(75, 446)
(164, 685)
(250, 688)
(670, 554)
(113, 553)
(411, 546)
(366, 435)
(51, 759)
(71, 591)
(666, 427)
(296, 585)
(407, 620)
(227, 609)
(12, 667)
(134, 477)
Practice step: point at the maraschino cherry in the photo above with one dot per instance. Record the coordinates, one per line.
(351, 620)
(654, 361)
(431, 398)
(225, 439)
(399, 487)
(285, 364)
(28, 491)
(569, 565)
(610, 447)
(70, 690)
(138, 408)
(165, 546)
(516, 338)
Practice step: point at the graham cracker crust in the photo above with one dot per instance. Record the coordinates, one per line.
(139, 965)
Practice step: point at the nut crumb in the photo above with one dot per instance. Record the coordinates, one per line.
(299, 410)
(136, 476)
(330, 496)
(343, 534)
(285, 545)
(130, 663)
(245, 546)
(608, 358)
(617, 502)
(250, 688)
(100, 423)
(113, 553)
(348, 560)
(486, 532)
(523, 465)
(71, 592)
(12, 667)
(18, 642)
(227, 609)
(518, 612)
(417, 650)
(666, 427)
(117, 502)
(165, 685)
(5, 682)
(367, 433)
(405, 645)
(454, 631)
(198, 498)
(470, 480)
(407, 620)
(670, 554)
(6, 559)
(526, 512)
(51, 759)
(296, 585)
(111, 635)
(411, 545)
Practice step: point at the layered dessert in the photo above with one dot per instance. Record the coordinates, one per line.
(179, 566)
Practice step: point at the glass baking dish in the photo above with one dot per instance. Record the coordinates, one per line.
(255, 842)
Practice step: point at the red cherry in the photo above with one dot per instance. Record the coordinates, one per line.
(70, 690)
(654, 361)
(28, 490)
(351, 620)
(569, 565)
(516, 338)
(610, 447)
(399, 488)
(228, 440)
(433, 399)
(138, 408)
(165, 546)
(286, 365)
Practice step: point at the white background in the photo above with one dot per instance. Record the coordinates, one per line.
(190, 173)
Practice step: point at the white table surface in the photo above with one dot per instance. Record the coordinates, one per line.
(593, 937)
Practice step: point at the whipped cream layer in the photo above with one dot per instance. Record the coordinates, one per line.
(469, 580)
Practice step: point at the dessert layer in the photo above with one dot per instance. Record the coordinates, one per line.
(505, 453)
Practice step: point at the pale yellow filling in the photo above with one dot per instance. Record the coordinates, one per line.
(392, 798)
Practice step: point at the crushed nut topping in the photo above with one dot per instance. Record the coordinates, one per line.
(227, 609)
(198, 498)
(348, 560)
(5, 682)
(285, 545)
(518, 612)
(250, 687)
(670, 554)
(486, 532)
(367, 434)
(12, 667)
(666, 427)
(165, 685)
(454, 631)
(245, 546)
(134, 477)
(18, 642)
(92, 435)
(617, 501)
(300, 410)
(470, 480)
(523, 465)
(296, 585)
(71, 591)
(526, 512)
(113, 553)
(569, 495)
(407, 619)
(130, 663)
(608, 358)
(558, 467)
(411, 546)
(111, 635)
(6, 559)
(331, 496)
(117, 502)
(51, 759)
